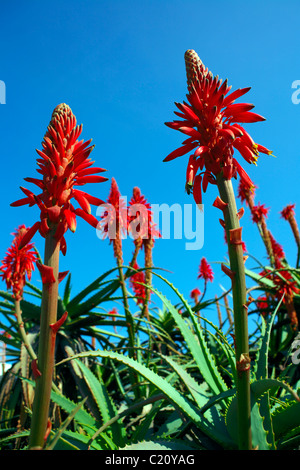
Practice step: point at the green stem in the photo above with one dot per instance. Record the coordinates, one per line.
(240, 315)
(46, 350)
(128, 316)
(134, 378)
(22, 331)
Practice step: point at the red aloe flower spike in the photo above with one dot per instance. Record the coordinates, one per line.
(258, 212)
(288, 211)
(136, 282)
(114, 220)
(218, 124)
(288, 214)
(113, 314)
(205, 271)
(246, 193)
(140, 218)
(18, 263)
(277, 249)
(195, 294)
(145, 237)
(212, 120)
(64, 163)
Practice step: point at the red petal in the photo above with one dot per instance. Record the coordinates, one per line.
(200, 150)
(39, 183)
(92, 199)
(82, 201)
(244, 176)
(180, 151)
(89, 218)
(21, 202)
(71, 219)
(235, 95)
(90, 179)
(54, 213)
(237, 108)
(90, 171)
(262, 149)
(245, 151)
(187, 111)
(247, 117)
(190, 131)
(197, 193)
(29, 234)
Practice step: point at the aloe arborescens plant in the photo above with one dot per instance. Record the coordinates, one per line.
(63, 164)
(211, 121)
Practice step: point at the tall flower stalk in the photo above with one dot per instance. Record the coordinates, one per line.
(211, 122)
(63, 163)
(144, 232)
(18, 265)
(114, 226)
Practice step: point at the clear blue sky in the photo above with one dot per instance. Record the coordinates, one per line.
(120, 67)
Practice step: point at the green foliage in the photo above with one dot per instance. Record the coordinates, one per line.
(184, 368)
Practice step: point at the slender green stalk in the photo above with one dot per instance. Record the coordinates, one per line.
(46, 350)
(128, 316)
(231, 219)
(134, 377)
(22, 331)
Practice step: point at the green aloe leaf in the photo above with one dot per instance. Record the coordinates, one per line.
(179, 400)
(105, 403)
(196, 344)
(160, 445)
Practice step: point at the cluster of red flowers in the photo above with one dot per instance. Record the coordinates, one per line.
(18, 263)
(246, 193)
(288, 211)
(205, 271)
(141, 217)
(137, 281)
(258, 212)
(136, 220)
(211, 121)
(64, 163)
(285, 284)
